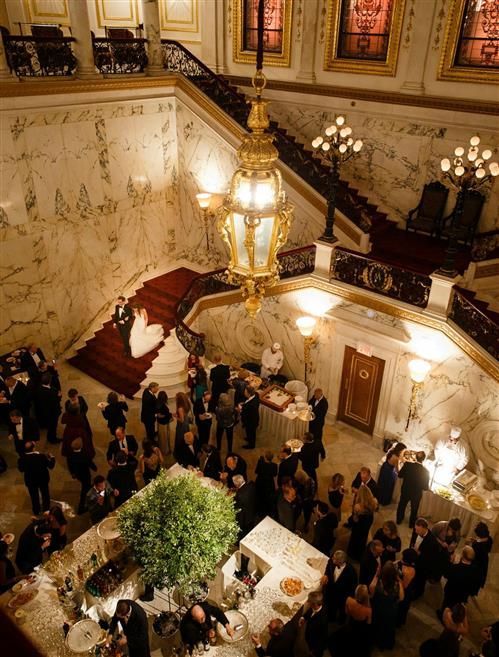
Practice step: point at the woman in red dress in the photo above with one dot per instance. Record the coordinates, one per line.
(76, 426)
(193, 362)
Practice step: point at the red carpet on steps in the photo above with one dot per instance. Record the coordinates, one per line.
(102, 356)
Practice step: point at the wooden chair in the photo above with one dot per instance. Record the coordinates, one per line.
(472, 209)
(427, 216)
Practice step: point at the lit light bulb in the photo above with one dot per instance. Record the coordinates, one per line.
(343, 148)
(340, 120)
(479, 173)
(343, 132)
(358, 145)
(315, 143)
(445, 164)
(478, 162)
(348, 130)
(330, 130)
(326, 146)
(474, 141)
(459, 151)
(349, 141)
(494, 168)
(487, 154)
(472, 155)
(319, 140)
(459, 170)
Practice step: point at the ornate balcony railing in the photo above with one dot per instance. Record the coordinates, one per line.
(30, 56)
(292, 263)
(368, 274)
(292, 153)
(120, 56)
(475, 323)
(485, 246)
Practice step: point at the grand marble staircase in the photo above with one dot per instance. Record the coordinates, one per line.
(102, 356)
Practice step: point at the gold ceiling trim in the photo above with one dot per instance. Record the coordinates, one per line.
(373, 95)
(356, 296)
(447, 70)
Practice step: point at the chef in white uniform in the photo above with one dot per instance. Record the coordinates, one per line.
(272, 360)
(451, 453)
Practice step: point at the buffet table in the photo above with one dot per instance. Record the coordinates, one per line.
(280, 427)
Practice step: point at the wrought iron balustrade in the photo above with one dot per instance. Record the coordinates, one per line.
(119, 56)
(292, 263)
(485, 246)
(475, 323)
(31, 56)
(368, 274)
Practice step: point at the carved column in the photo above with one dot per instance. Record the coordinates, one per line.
(82, 46)
(419, 43)
(152, 27)
(309, 38)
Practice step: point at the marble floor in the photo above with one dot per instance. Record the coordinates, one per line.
(347, 449)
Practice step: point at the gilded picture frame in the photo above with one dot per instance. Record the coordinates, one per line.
(447, 69)
(241, 56)
(366, 67)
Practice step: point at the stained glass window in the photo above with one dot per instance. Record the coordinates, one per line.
(365, 29)
(273, 23)
(478, 43)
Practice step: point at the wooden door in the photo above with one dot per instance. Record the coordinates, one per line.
(360, 387)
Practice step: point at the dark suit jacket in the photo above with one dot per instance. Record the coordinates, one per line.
(199, 410)
(316, 630)
(80, 464)
(309, 456)
(20, 398)
(462, 581)
(35, 467)
(427, 564)
(324, 533)
(136, 631)
(245, 502)
(192, 632)
(185, 456)
(48, 404)
(287, 468)
(115, 416)
(148, 409)
(368, 567)
(28, 363)
(30, 432)
(240, 468)
(250, 413)
(114, 447)
(320, 411)
(282, 645)
(213, 465)
(29, 550)
(371, 484)
(219, 376)
(415, 479)
(337, 592)
(127, 317)
(122, 478)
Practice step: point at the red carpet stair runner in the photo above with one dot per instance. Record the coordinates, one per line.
(102, 356)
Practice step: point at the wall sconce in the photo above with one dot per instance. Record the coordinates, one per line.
(418, 370)
(306, 327)
(204, 200)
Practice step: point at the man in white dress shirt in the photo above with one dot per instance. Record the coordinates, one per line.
(451, 454)
(272, 360)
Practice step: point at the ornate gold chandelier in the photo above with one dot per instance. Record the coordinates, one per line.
(255, 215)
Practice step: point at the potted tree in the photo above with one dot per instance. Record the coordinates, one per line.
(178, 530)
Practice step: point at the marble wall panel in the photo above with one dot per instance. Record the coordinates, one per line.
(12, 206)
(398, 157)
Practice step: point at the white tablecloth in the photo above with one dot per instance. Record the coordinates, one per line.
(279, 427)
(437, 508)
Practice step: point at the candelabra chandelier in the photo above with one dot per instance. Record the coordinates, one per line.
(255, 216)
(464, 174)
(336, 146)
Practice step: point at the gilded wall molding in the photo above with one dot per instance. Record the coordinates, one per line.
(104, 20)
(332, 62)
(35, 14)
(241, 56)
(447, 70)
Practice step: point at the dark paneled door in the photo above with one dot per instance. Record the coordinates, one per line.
(360, 387)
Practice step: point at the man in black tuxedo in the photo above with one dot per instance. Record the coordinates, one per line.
(35, 467)
(18, 395)
(123, 320)
(462, 580)
(324, 528)
(187, 452)
(210, 463)
(121, 477)
(415, 479)
(319, 408)
(288, 465)
(219, 377)
(79, 465)
(370, 563)
(245, 502)
(234, 465)
(122, 443)
(33, 542)
(282, 639)
(203, 417)
(148, 410)
(339, 581)
(316, 623)
(428, 550)
(309, 455)
(22, 430)
(31, 359)
(250, 416)
(197, 624)
(48, 407)
(133, 620)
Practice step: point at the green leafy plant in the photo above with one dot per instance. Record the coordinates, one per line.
(178, 530)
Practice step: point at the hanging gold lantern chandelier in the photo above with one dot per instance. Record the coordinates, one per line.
(255, 215)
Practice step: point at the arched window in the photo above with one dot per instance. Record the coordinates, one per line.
(276, 34)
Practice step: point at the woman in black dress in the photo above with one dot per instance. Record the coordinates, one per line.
(387, 591)
(336, 493)
(163, 418)
(482, 545)
(387, 478)
(388, 535)
(75, 398)
(266, 473)
(362, 519)
(114, 412)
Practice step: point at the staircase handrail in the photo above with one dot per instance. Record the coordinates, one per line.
(474, 321)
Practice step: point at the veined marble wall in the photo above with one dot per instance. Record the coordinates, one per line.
(89, 203)
(457, 391)
(398, 157)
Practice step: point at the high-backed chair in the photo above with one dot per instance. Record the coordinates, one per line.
(426, 217)
(472, 209)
